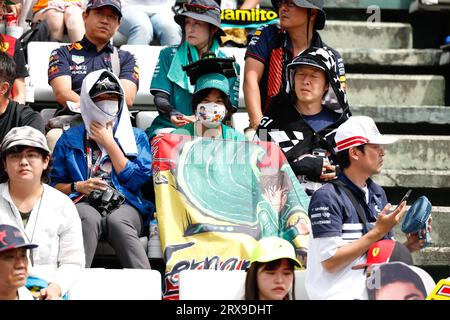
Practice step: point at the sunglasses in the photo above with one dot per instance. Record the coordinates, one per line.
(198, 8)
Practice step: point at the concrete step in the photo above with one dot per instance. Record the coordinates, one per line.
(387, 89)
(362, 34)
(440, 233)
(404, 114)
(413, 178)
(391, 57)
(413, 152)
(432, 256)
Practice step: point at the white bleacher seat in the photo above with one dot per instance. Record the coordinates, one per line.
(144, 119)
(224, 285)
(147, 57)
(38, 57)
(212, 285)
(117, 284)
(47, 114)
(300, 289)
(239, 54)
(240, 121)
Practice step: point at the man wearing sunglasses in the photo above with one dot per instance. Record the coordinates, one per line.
(273, 47)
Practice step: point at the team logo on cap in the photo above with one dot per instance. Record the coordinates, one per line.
(105, 84)
(375, 251)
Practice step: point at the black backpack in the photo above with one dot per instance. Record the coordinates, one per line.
(39, 31)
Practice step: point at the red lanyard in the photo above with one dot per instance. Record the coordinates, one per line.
(89, 156)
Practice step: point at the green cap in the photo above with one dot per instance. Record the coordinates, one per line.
(213, 81)
(274, 248)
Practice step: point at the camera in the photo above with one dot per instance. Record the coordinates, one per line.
(318, 152)
(106, 200)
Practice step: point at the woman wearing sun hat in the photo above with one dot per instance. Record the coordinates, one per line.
(200, 23)
(271, 275)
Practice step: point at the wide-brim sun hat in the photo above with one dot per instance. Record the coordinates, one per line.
(274, 248)
(203, 10)
(308, 4)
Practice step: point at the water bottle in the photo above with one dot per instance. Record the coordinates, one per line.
(154, 244)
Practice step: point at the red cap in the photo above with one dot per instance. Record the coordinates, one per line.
(386, 251)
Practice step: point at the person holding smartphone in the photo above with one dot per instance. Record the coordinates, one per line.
(350, 214)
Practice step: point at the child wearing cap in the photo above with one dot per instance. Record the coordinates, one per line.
(201, 28)
(43, 214)
(13, 264)
(211, 102)
(271, 275)
(349, 214)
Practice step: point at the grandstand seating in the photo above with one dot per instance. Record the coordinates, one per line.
(38, 57)
(146, 57)
(117, 284)
(224, 285)
(144, 119)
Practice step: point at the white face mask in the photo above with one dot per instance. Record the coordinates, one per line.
(210, 114)
(110, 107)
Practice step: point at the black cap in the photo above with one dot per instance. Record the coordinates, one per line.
(105, 84)
(94, 4)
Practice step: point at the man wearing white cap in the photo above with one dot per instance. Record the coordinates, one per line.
(350, 214)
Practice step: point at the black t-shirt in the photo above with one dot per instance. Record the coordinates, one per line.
(17, 115)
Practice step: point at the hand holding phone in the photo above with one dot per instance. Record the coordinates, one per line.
(405, 197)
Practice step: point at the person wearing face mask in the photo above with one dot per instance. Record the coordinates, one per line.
(211, 106)
(211, 102)
(201, 29)
(103, 155)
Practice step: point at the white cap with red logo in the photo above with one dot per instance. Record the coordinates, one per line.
(359, 130)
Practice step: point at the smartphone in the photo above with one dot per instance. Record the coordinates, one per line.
(406, 196)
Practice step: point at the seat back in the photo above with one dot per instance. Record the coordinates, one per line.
(144, 119)
(212, 285)
(47, 114)
(117, 284)
(300, 288)
(38, 57)
(240, 121)
(146, 58)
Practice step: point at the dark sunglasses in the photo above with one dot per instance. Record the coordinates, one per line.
(198, 8)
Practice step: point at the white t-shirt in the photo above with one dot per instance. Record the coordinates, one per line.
(346, 284)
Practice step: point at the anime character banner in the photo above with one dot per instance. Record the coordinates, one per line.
(216, 198)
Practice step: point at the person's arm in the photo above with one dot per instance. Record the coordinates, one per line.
(350, 252)
(105, 137)
(129, 76)
(249, 4)
(71, 258)
(29, 117)
(130, 89)
(253, 73)
(60, 76)
(62, 89)
(19, 90)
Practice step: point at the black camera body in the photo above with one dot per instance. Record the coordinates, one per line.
(107, 200)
